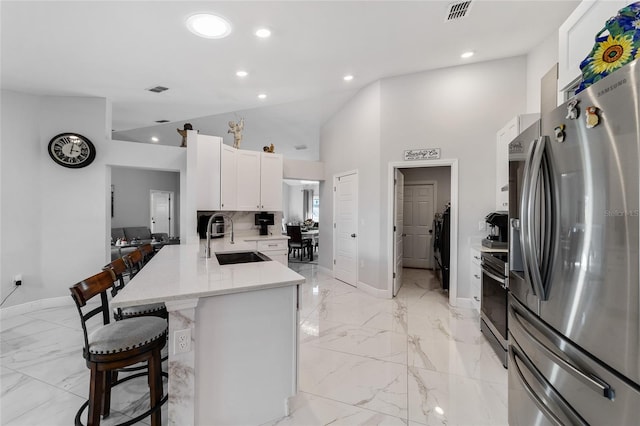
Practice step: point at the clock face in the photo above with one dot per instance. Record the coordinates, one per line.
(72, 150)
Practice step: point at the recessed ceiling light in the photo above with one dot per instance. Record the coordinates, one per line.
(242, 73)
(263, 33)
(466, 55)
(348, 77)
(154, 139)
(208, 26)
(262, 96)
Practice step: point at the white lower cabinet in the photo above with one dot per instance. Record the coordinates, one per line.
(277, 250)
(476, 278)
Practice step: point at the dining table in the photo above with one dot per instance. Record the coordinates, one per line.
(310, 234)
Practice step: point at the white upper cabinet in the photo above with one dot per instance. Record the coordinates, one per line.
(229, 178)
(577, 36)
(503, 138)
(248, 183)
(208, 171)
(234, 179)
(271, 181)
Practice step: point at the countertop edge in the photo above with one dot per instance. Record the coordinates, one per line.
(212, 293)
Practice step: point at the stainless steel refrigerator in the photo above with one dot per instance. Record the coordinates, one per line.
(574, 324)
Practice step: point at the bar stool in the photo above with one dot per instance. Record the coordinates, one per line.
(147, 252)
(134, 261)
(116, 345)
(120, 270)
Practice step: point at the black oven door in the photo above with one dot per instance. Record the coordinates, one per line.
(493, 306)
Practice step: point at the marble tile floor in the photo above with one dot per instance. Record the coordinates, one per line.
(412, 360)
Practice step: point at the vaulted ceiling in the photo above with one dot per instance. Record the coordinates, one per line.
(118, 49)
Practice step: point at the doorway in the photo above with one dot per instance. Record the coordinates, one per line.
(161, 209)
(345, 219)
(413, 168)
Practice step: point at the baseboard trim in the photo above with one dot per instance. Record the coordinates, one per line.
(376, 292)
(326, 271)
(464, 302)
(24, 308)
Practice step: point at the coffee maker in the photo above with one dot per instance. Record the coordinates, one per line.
(263, 220)
(498, 230)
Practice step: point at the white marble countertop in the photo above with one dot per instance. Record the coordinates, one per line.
(263, 237)
(481, 248)
(180, 272)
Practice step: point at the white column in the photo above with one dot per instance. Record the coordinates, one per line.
(182, 365)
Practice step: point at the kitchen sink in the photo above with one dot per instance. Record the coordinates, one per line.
(232, 258)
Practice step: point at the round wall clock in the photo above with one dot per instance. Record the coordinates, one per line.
(72, 150)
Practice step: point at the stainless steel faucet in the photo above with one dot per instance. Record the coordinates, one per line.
(207, 249)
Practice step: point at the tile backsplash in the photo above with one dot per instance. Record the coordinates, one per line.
(244, 222)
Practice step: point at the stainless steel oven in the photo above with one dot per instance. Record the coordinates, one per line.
(494, 302)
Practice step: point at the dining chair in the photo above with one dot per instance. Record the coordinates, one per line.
(297, 243)
(112, 346)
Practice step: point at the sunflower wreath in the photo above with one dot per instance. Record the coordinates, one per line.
(617, 48)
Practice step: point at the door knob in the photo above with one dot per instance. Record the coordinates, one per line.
(353, 235)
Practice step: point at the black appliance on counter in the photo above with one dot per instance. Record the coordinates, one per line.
(441, 246)
(217, 227)
(498, 230)
(263, 220)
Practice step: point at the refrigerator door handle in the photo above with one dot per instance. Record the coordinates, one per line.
(528, 226)
(595, 383)
(515, 356)
(526, 187)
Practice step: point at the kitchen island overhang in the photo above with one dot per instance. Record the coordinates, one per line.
(242, 321)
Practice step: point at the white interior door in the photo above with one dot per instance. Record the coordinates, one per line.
(418, 226)
(398, 230)
(345, 213)
(161, 211)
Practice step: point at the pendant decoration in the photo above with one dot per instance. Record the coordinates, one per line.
(592, 117)
(572, 110)
(559, 131)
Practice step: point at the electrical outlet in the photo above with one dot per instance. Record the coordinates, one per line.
(17, 279)
(182, 341)
(482, 225)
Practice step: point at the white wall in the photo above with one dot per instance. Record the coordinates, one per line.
(349, 141)
(457, 109)
(66, 212)
(294, 209)
(132, 188)
(20, 226)
(539, 62)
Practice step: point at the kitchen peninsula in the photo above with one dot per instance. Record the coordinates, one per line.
(236, 360)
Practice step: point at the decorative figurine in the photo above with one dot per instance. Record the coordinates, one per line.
(183, 133)
(269, 148)
(236, 129)
(559, 132)
(592, 117)
(572, 110)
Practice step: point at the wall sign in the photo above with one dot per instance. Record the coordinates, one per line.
(422, 154)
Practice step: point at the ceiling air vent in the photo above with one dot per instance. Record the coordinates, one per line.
(457, 10)
(162, 121)
(158, 89)
(300, 147)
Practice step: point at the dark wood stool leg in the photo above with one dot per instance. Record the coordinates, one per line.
(106, 396)
(95, 396)
(155, 385)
